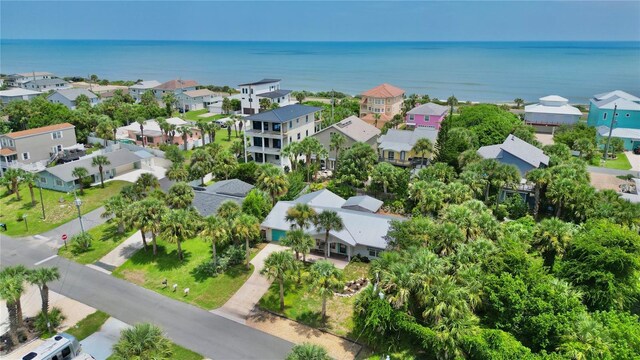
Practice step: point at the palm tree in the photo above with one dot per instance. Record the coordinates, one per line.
(246, 227)
(301, 215)
(273, 181)
(308, 351)
(30, 179)
(11, 290)
(147, 181)
(14, 176)
(277, 267)
(265, 103)
(376, 118)
(452, 101)
(118, 207)
(519, 102)
(169, 100)
(292, 151)
(105, 129)
(100, 161)
(229, 124)
(141, 122)
(336, 143)
(186, 131)
(422, 146)
(325, 278)
(558, 191)
(164, 127)
(40, 277)
(80, 173)
(203, 126)
(299, 242)
(540, 178)
(146, 215)
(177, 172)
(177, 227)
(201, 163)
(215, 230)
(142, 341)
(328, 221)
(229, 210)
(180, 196)
(552, 237)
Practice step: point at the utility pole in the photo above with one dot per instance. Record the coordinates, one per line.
(44, 217)
(613, 120)
(332, 102)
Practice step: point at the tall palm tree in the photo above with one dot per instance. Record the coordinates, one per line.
(141, 122)
(105, 129)
(246, 227)
(142, 341)
(229, 124)
(118, 207)
(558, 191)
(325, 277)
(203, 126)
(328, 221)
(519, 102)
(540, 178)
(301, 215)
(11, 290)
(422, 146)
(336, 143)
(154, 209)
(14, 176)
(273, 181)
(292, 151)
(170, 101)
(100, 161)
(30, 179)
(186, 131)
(277, 267)
(216, 231)
(164, 127)
(201, 163)
(299, 242)
(177, 227)
(80, 173)
(41, 277)
(552, 237)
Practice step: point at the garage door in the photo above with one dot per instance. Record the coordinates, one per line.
(277, 234)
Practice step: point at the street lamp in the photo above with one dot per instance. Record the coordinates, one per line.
(78, 203)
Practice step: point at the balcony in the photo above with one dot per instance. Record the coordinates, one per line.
(265, 150)
(267, 133)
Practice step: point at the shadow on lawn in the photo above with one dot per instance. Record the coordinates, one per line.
(111, 233)
(164, 261)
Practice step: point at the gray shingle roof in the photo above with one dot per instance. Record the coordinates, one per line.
(403, 140)
(284, 113)
(263, 81)
(355, 128)
(363, 203)
(47, 81)
(72, 94)
(518, 148)
(208, 203)
(232, 187)
(116, 158)
(274, 94)
(429, 109)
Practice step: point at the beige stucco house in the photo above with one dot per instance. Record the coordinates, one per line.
(385, 100)
(354, 130)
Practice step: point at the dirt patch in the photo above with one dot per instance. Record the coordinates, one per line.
(605, 181)
(135, 276)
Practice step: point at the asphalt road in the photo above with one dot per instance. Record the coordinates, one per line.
(208, 334)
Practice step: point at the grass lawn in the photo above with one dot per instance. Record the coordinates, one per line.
(184, 354)
(88, 325)
(195, 115)
(208, 293)
(304, 306)
(222, 138)
(105, 239)
(620, 162)
(57, 212)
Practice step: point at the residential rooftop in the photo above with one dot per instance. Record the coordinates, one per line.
(263, 81)
(274, 94)
(429, 109)
(354, 128)
(116, 158)
(176, 84)
(284, 114)
(384, 91)
(38, 131)
(72, 94)
(18, 92)
(403, 140)
(518, 148)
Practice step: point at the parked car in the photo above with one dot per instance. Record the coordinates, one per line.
(222, 123)
(637, 150)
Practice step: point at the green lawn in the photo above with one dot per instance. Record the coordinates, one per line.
(59, 207)
(195, 115)
(304, 306)
(105, 239)
(222, 138)
(208, 293)
(88, 325)
(620, 162)
(184, 354)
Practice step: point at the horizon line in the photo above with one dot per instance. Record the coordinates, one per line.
(324, 41)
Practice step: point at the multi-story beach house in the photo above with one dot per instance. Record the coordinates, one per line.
(18, 80)
(38, 145)
(142, 87)
(44, 85)
(625, 123)
(196, 99)
(552, 110)
(427, 115)
(17, 94)
(384, 100)
(272, 130)
(174, 86)
(396, 146)
(517, 152)
(251, 93)
(354, 130)
(68, 97)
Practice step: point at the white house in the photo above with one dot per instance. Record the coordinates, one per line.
(46, 84)
(272, 130)
(17, 94)
(142, 87)
(174, 86)
(196, 99)
(553, 110)
(364, 231)
(18, 80)
(264, 89)
(68, 97)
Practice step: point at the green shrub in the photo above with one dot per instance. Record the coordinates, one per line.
(81, 243)
(341, 190)
(19, 216)
(516, 206)
(56, 317)
(235, 254)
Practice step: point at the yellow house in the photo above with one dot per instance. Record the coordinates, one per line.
(395, 146)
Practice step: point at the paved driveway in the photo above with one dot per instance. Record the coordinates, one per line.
(634, 159)
(99, 344)
(132, 176)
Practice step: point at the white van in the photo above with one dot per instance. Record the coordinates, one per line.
(60, 347)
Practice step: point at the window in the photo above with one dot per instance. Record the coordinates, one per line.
(410, 117)
(25, 156)
(276, 127)
(59, 148)
(43, 180)
(307, 118)
(59, 182)
(277, 157)
(257, 141)
(66, 352)
(373, 252)
(290, 125)
(306, 133)
(56, 135)
(297, 120)
(402, 155)
(290, 139)
(298, 136)
(391, 155)
(604, 116)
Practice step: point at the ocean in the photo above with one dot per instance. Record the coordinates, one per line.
(474, 71)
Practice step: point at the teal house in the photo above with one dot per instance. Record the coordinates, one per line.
(626, 120)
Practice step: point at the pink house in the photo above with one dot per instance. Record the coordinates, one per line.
(427, 115)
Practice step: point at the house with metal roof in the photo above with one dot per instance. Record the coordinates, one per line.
(272, 130)
(517, 152)
(9, 95)
(396, 146)
(46, 84)
(354, 130)
(19, 79)
(67, 97)
(617, 109)
(552, 110)
(364, 232)
(252, 92)
(426, 115)
(60, 177)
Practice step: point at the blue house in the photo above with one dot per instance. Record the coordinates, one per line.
(517, 152)
(626, 122)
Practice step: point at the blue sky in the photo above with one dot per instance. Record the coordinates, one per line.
(322, 21)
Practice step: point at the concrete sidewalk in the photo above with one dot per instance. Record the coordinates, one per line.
(90, 220)
(120, 254)
(99, 343)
